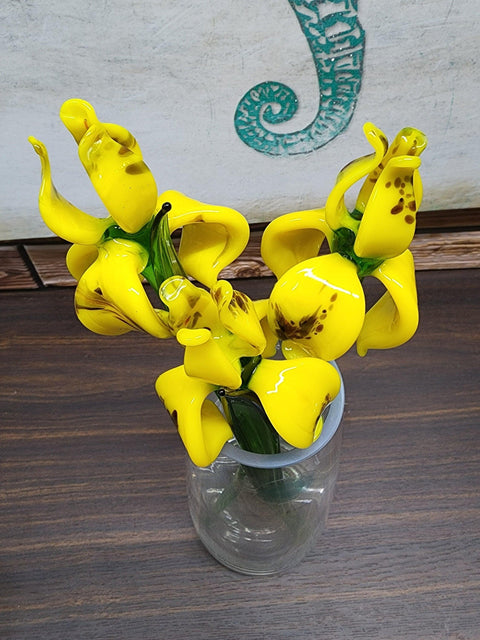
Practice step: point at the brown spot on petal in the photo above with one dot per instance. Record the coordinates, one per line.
(334, 297)
(136, 168)
(196, 317)
(412, 205)
(398, 208)
(397, 182)
(409, 219)
(388, 185)
(286, 330)
(240, 300)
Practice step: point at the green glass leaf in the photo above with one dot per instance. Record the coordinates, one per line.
(249, 422)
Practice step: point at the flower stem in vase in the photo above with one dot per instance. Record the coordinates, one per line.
(254, 432)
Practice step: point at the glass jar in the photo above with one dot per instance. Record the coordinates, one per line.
(260, 514)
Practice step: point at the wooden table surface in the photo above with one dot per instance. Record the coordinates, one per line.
(95, 536)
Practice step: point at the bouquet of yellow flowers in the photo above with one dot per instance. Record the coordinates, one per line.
(231, 384)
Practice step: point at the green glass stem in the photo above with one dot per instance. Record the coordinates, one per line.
(249, 422)
(342, 243)
(254, 432)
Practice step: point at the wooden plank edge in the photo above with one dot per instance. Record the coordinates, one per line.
(440, 250)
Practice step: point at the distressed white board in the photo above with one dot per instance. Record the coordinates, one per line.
(174, 72)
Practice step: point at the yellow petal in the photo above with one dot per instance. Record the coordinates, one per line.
(292, 238)
(188, 305)
(388, 224)
(201, 425)
(335, 210)
(79, 258)
(237, 314)
(294, 394)
(114, 277)
(205, 359)
(292, 349)
(60, 216)
(407, 142)
(120, 177)
(212, 236)
(97, 314)
(78, 116)
(320, 305)
(271, 339)
(394, 318)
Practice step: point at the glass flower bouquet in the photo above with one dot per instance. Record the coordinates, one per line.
(257, 400)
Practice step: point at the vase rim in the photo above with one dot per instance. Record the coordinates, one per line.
(295, 455)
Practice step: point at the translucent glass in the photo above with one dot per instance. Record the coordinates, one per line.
(260, 514)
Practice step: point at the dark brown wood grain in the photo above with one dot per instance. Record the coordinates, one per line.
(95, 536)
(14, 271)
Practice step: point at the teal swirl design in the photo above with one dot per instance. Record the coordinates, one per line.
(337, 42)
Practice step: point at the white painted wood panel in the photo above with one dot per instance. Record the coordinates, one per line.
(174, 72)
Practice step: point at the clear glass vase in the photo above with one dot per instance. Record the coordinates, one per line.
(260, 514)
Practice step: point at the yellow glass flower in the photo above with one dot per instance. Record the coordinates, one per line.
(385, 212)
(110, 298)
(139, 225)
(373, 240)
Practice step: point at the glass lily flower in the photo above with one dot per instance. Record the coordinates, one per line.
(111, 257)
(291, 394)
(317, 306)
(224, 353)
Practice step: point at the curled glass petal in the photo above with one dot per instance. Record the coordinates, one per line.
(112, 283)
(120, 177)
(388, 223)
(60, 216)
(188, 306)
(237, 314)
(336, 212)
(205, 359)
(78, 116)
(292, 238)
(212, 236)
(394, 318)
(79, 258)
(407, 142)
(201, 425)
(294, 394)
